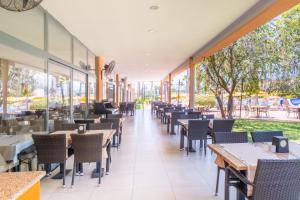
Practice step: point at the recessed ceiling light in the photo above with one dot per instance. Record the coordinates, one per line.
(154, 7)
(150, 30)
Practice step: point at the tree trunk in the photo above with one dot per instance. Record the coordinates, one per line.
(230, 106)
(220, 102)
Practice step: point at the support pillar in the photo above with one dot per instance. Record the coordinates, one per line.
(124, 99)
(4, 64)
(118, 89)
(191, 83)
(99, 78)
(161, 90)
(170, 89)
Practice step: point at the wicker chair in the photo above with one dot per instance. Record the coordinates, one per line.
(51, 149)
(58, 123)
(68, 127)
(122, 108)
(87, 148)
(197, 130)
(116, 126)
(100, 126)
(130, 108)
(175, 116)
(274, 179)
(210, 116)
(84, 121)
(228, 137)
(113, 116)
(265, 136)
(221, 125)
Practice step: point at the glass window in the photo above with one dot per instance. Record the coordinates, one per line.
(80, 54)
(91, 60)
(17, 24)
(92, 89)
(23, 97)
(79, 94)
(59, 40)
(59, 79)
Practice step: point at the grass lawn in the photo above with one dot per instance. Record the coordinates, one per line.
(290, 129)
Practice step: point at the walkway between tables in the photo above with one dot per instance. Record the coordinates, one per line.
(148, 165)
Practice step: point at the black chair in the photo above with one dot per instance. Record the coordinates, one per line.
(58, 123)
(123, 108)
(197, 130)
(68, 127)
(116, 125)
(174, 117)
(197, 113)
(192, 116)
(228, 137)
(112, 116)
(51, 149)
(26, 156)
(130, 108)
(265, 136)
(87, 148)
(100, 126)
(221, 125)
(274, 179)
(84, 121)
(207, 117)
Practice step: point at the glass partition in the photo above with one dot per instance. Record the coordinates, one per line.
(59, 80)
(79, 95)
(23, 99)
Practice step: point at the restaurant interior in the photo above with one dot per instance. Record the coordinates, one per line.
(124, 100)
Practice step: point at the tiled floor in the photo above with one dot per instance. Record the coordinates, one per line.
(148, 166)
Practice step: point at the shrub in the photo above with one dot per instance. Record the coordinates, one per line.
(208, 101)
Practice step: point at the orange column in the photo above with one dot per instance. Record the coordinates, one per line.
(191, 82)
(99, 78)
(117, 89)
(161, 90)
(125, 90)
(170, 89)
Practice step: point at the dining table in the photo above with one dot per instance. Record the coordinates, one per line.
(238, 157)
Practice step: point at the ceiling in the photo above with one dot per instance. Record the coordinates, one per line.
(146, 44)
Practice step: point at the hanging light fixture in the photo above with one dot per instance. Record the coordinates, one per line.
(19, 5)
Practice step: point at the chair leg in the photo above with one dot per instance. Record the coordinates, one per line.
(217, 183)
(99, 180)
(188, 147)
(73, 175)
(30, 165)
(205, 145)
(64, 174)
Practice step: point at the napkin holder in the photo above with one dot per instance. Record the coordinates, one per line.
(81, 128)
(281, 143)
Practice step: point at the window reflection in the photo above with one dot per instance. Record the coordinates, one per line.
(59, 92)
(79, 95)
(23, 100)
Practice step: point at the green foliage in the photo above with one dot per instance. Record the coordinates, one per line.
(208, 101)
(290, 129)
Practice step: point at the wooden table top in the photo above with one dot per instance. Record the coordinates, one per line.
(107, 134)
(15, 184)
(239, 157)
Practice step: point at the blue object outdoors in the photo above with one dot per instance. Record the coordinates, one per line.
(295, 101)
